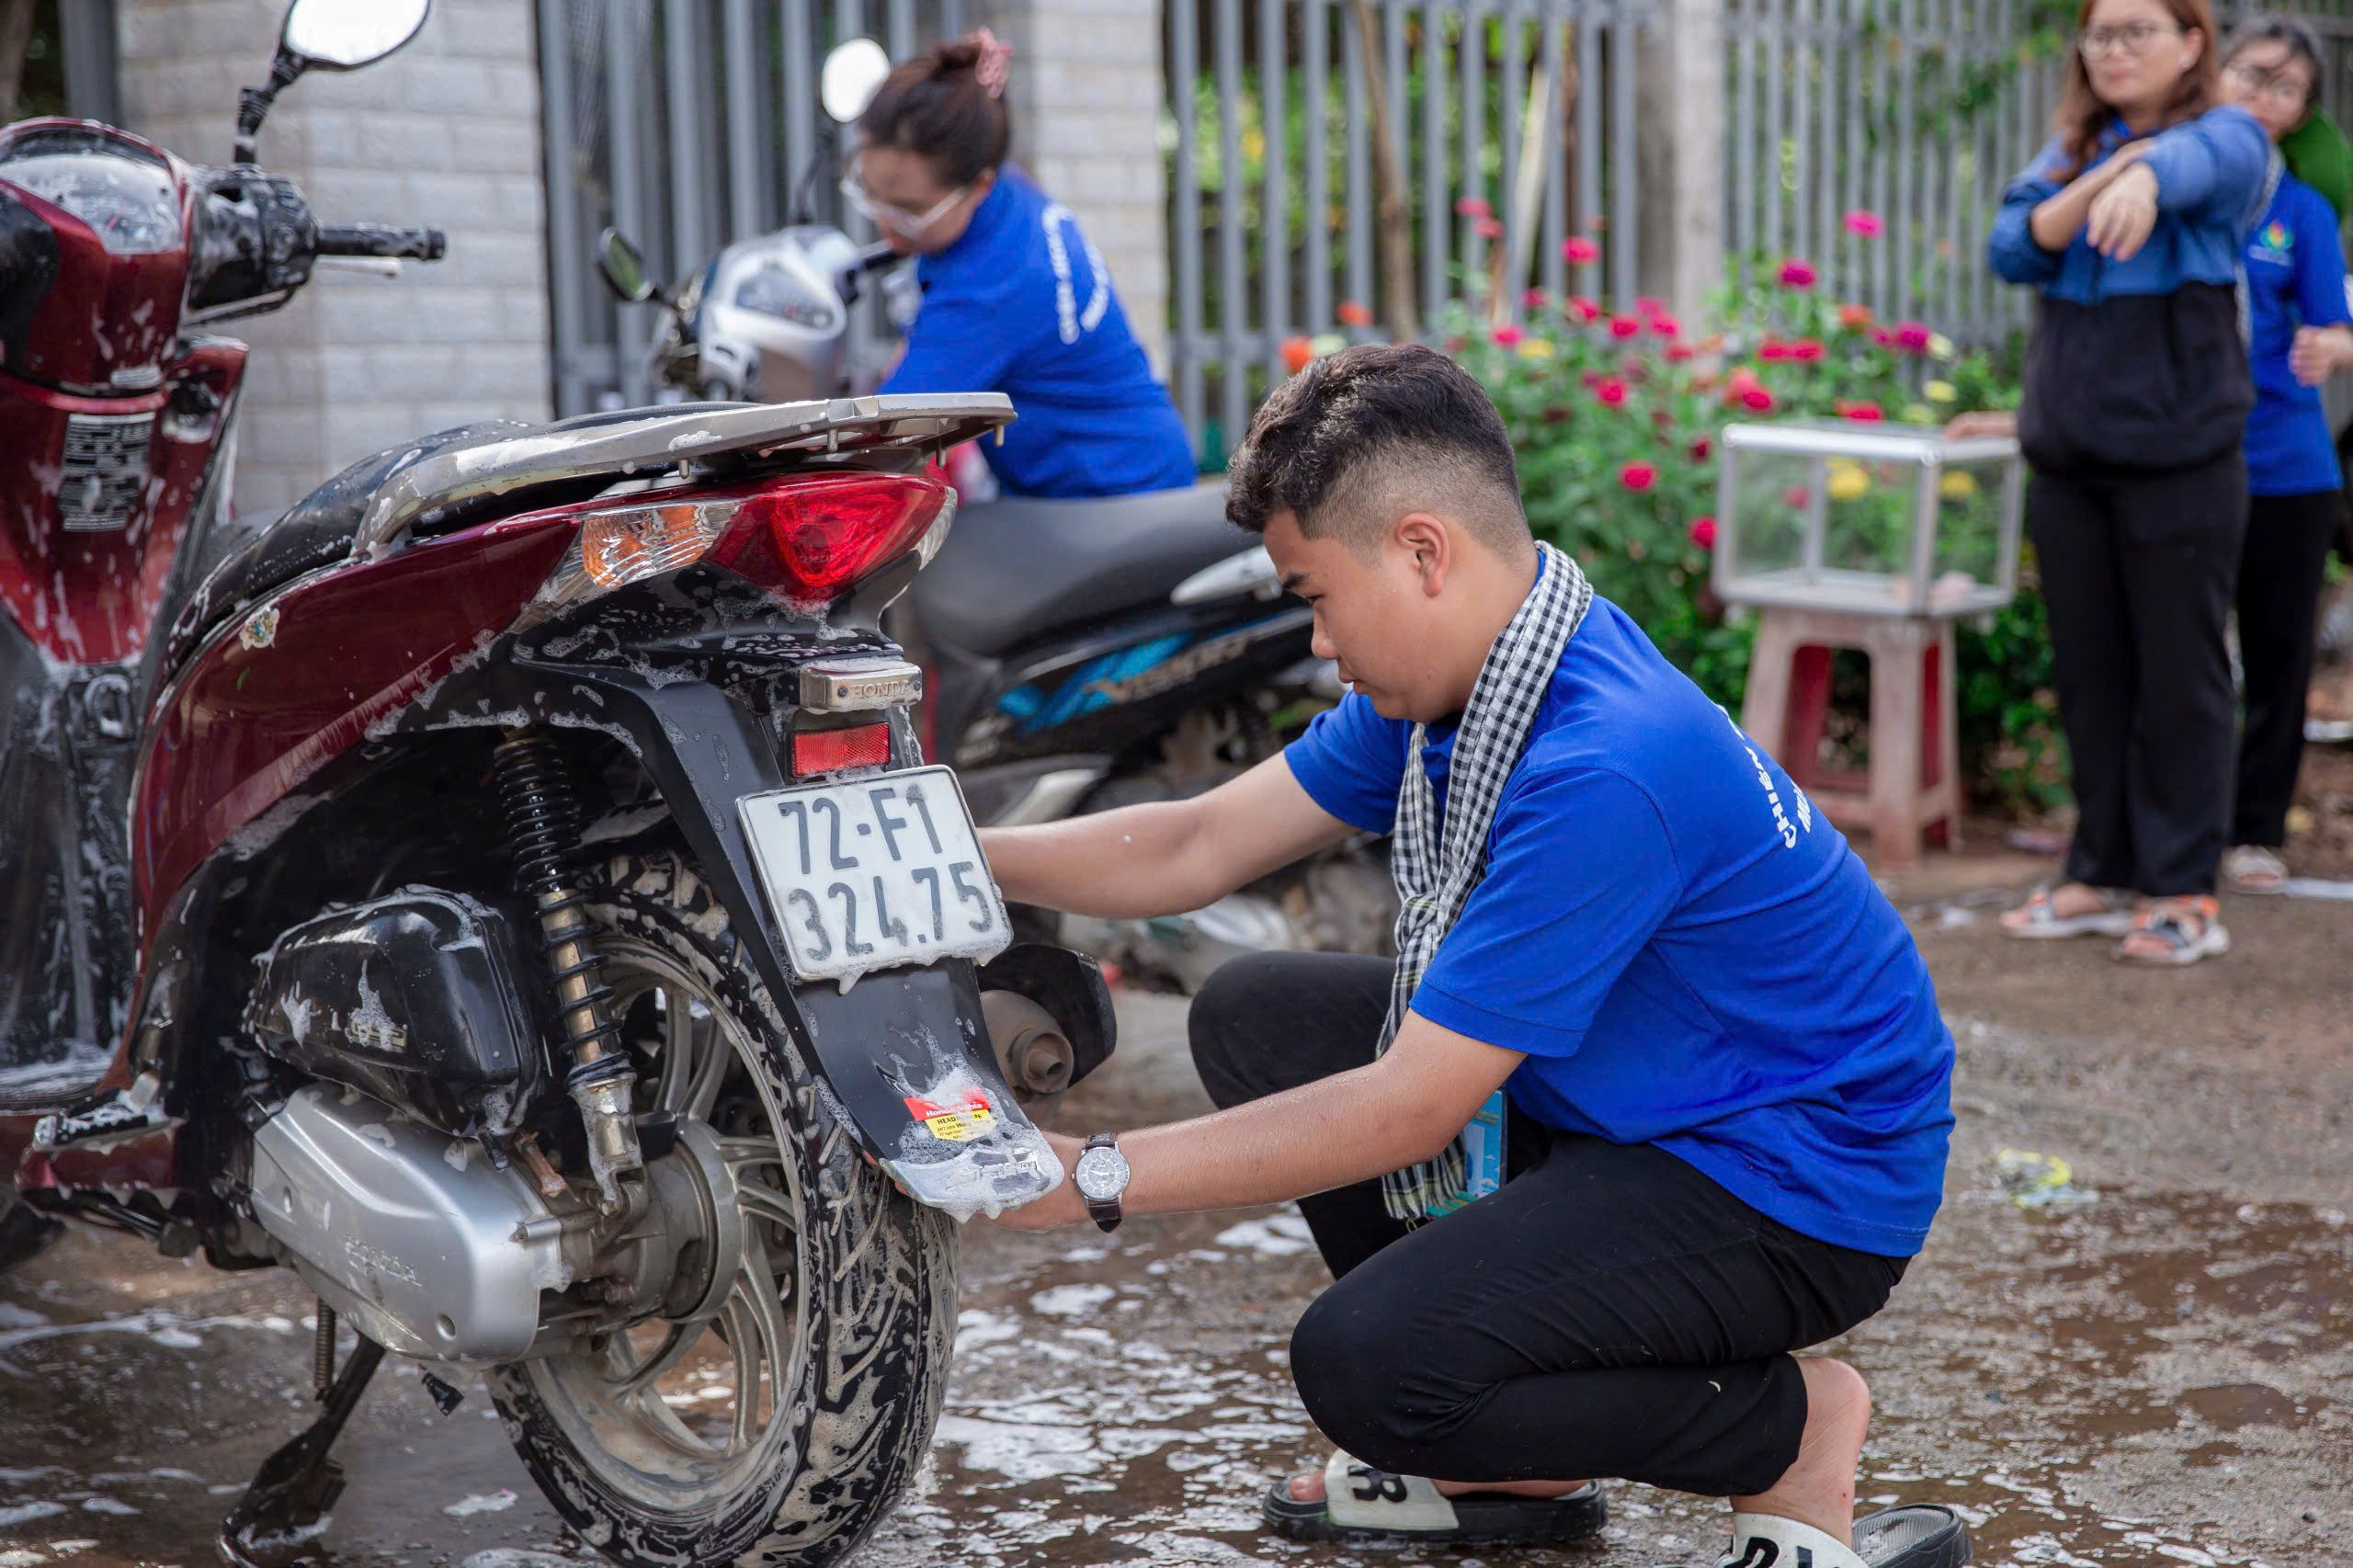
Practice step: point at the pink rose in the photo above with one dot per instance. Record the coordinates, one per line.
(1796, 274)
(1866, 224)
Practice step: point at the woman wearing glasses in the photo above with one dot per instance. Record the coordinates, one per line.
(1014, 299)
(2132, 223)
(2295, 275)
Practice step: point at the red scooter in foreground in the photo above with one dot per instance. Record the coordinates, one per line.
(505, 890)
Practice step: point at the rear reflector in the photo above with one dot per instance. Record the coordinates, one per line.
(830, 751)
(807, 540)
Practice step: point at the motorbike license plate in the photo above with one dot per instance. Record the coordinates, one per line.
(882, 872)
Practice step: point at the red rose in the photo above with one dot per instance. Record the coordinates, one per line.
(1911, 337)
(1584, 309)
(1297, 352)
(1861, 412)
(1679, 352)
(1806, 348)
(1866, 224)
(1578, 251)
(1624, 327)
(1611, 392)
(1795, 496)
(1534, 300)
(1351, 314)
(1508, 335)
(1487, 229)
(1664, 324)
(1638, 477)
(1773, 348)
(1757, 400)
(1472, 207)
(1884, 337)
(1703, 532)
(1796, 274)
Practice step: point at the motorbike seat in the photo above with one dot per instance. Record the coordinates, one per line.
(317, 530)
(1016, 569)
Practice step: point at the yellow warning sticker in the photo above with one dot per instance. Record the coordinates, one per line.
(954, 1124)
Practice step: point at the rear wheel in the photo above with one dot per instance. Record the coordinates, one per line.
(779, 1417)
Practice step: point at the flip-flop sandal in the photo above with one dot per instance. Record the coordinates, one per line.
(2171, 922)
(1362, 1504)
(2252, 868)
(1926, 1535)
(2044, 923)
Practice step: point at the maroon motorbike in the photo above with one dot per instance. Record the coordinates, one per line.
(505, 890)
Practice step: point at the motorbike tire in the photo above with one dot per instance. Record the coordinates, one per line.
(877, 1297)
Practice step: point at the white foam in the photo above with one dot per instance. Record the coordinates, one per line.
(481, 1503)
(1069, 1301)
(1277, 1236)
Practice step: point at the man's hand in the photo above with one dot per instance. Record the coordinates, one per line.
(2122, 215)
(1982, 422)
(2320, 352)
(1060, 1207)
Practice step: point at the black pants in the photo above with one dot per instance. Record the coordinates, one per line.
(1610, 1313)
(2278, 597)
(2138, 572)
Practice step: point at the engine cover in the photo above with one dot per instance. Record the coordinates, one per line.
(412, 1234)
(411, 998)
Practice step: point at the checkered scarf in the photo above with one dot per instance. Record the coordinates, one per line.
(1435, 878)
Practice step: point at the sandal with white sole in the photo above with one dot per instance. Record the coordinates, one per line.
(2189, 929)
(1923, 1534)
(2043, 922)
(1362, 1504)
(2252, 868)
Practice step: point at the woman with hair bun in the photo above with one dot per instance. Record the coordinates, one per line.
(1014, 299)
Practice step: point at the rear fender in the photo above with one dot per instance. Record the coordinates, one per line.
(896, 1042)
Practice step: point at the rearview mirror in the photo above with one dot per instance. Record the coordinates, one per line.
(328, 35)
(343, 35)
(853, 71)
(623, 266)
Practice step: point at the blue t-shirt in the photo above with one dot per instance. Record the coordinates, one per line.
(2295, 276)
(1022, 304)
(1689, 954)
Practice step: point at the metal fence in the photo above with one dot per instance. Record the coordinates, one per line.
(686, 124)
(1511, 124)
(1917, 111)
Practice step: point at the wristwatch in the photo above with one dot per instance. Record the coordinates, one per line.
(1101, 1176)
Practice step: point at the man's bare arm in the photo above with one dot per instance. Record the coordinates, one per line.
(1167, 856)
(1348, 1128)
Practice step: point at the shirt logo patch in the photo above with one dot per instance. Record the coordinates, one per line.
(2274, 244)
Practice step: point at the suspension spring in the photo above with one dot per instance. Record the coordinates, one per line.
(543, 820)
(322, 1352)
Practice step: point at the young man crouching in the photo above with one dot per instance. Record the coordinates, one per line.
(1725, 1074)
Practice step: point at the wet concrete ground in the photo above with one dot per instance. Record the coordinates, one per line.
(2162, 1375)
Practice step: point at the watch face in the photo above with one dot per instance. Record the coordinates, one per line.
(1102, 1174)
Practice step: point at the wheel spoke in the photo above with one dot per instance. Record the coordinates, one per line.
(744, 1338)
(677, 1050)
(712, 1058)
(761, 1201)
(672, 1351)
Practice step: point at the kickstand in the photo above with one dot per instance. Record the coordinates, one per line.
(291, 1494)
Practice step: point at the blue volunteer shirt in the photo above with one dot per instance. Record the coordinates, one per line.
(2295, 276)
(2210, 175)
(1022, 304)
(1686, 953)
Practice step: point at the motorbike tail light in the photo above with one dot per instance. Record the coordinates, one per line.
(806, 540)
(830, 751)
(811, 541)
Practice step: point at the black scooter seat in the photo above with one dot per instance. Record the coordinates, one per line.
(1014, 570)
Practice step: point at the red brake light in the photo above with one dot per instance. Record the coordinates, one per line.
(811, 539)
(830, 751)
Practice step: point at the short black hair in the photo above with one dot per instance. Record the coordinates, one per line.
(936, 106)
(2297, 34)
(1360, 438)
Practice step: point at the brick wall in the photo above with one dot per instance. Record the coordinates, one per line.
(1087, 91)
(446, 132)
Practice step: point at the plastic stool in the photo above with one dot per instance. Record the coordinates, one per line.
(1911, 788)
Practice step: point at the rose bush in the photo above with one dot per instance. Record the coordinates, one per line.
(1615, 413)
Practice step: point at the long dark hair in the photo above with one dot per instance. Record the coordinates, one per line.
(947, 106)
(2081, 116)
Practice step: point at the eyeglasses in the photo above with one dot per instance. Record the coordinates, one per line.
(898, 220)
(2134, 39)
(2281, 87)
